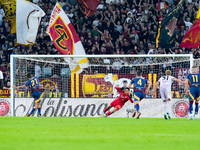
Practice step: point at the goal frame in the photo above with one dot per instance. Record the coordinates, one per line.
(77, 56)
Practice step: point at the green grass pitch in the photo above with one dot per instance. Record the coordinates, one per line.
(62, 133)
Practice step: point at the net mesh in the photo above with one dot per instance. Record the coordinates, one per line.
(99, 78)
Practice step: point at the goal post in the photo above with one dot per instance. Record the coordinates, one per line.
(97, 80)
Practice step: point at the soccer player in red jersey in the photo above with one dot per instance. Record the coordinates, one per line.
(119, 102)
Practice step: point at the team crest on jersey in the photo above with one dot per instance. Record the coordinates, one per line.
(4, 107)
(63, 37)
(181, 109)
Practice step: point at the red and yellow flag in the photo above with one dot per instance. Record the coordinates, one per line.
(192, 37)
(66, 40)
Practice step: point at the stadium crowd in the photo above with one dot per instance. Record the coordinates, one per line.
(126, 27)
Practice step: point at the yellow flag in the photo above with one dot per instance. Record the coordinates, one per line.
(9, 7)
(13, 26)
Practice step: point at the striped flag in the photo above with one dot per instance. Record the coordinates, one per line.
(66, 40)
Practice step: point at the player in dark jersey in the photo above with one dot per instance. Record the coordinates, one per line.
(193, 79)
(139, 91)
(119, 102)
(33, 83)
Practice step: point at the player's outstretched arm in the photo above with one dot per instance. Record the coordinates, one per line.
(118, 89)
(149, 86)
(186, 86)
(177, 80)
(19, 87)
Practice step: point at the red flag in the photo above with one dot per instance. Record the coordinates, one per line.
(88, 7)
(66, 40)
(192, 37)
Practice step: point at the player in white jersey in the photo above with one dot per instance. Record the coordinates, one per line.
(165, 91)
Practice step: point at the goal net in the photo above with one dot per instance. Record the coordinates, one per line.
(99, 78)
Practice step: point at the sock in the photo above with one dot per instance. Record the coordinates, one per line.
(108, 113)
(105, 110)
(191, 107)
(165, 107)
(137, 107)
(168, 107)
(39, 111)
(32, 111)
(196, 108)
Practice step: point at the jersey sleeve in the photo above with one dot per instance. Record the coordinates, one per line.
(118, 89)
(1, 75)
(187, 77)
(132, 81)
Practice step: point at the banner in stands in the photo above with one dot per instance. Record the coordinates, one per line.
(4, 93)
(89, 107)
(102, 85)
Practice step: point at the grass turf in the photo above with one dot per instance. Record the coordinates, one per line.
(57, 133)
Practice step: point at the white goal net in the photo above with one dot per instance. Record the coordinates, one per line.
(99, 78)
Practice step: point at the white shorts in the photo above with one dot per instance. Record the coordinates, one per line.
(165, 93)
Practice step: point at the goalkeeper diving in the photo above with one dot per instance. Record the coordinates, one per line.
(119, 102)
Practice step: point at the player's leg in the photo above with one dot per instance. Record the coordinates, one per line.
(164, 98)
(112, 104)
(39, 108)
(141, 96)
(169, 103)
(196, 109)
(191, 100)
(197, 104)
(168, 108)
(136, 102)
(107, 108)
(119, 106)
(37, 105)
(37, 99)
(165, 108)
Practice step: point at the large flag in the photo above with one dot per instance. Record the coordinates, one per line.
(192, 37)
(28, 17)
(166, 37)
(9, 7)
(66, 40)
(88, 7)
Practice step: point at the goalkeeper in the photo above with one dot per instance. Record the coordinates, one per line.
(119, 102)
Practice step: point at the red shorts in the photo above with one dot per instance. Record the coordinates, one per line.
(117, 104)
